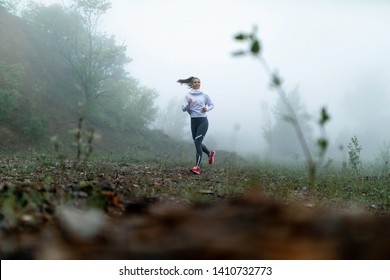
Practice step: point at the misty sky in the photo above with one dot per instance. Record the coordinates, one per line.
(336, 53)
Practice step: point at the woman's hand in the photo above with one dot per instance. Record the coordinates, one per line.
(204, 109)
(190, 101)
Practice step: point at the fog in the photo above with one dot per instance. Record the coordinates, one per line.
(335, 53)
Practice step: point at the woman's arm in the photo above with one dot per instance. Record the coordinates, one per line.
(186, 104)
(209, 103)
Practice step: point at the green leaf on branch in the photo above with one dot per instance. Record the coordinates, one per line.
(276, 81)
(324, 118)
(322, 144)
(241, 37)
(255, 48)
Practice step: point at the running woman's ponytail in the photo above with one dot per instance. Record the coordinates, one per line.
(187, 81)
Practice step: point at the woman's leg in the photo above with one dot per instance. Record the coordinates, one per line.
(205, 150)
(204, 126)
(199, 127)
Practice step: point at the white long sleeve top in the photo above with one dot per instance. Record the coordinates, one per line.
(199, 100)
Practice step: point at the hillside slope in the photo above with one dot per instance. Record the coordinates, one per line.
(47, 73)
(45, 76)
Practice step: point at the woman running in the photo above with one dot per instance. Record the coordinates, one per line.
(196, 103)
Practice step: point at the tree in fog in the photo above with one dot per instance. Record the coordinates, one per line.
(110, 94)
(171, 119)
(280, 135)
(16, 110)
(93, 56)
(133, 105)
(12, 6)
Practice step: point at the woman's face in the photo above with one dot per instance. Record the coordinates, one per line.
(196, 84)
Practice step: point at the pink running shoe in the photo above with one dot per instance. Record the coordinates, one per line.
(211, 157)
(195, 170)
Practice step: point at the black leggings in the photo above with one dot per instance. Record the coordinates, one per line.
(199, 128)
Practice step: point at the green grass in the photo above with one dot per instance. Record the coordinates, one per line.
(33, 187)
